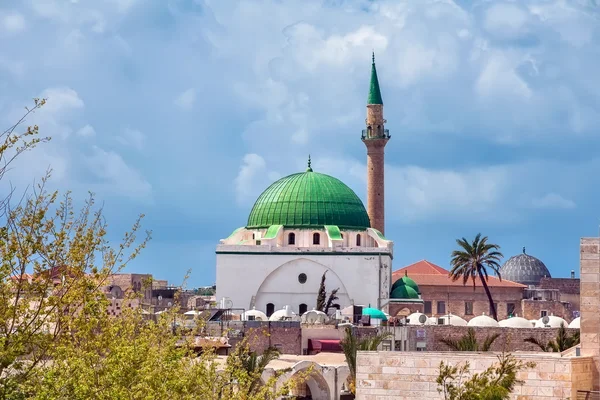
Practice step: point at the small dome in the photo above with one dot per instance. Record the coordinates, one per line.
(515, 322)
(285, 314)
(404, 292)
(576, 323)
(553, 322)
(431, 321)
(524, 269)
(308, 200)
(454, 320)
(314, 317)
(258, 315)
(483, 321)
(413, 319)
(374, 313)
(405, 280)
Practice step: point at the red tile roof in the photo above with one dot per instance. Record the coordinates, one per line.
(428, 274)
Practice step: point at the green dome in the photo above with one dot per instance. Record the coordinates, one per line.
(405, 280)
(404, 292)
(374, 313)
(309, 199)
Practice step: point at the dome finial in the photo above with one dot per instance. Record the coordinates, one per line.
(309, 169)
(373, 57)
(524, 250)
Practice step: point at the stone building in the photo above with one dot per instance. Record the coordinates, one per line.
(442, 296)
(309, 223)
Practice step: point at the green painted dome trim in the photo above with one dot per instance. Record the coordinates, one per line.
(374, 313)
(236, 231)
(404, 292)
(405, 280)
(374, 91)
(379, 234)
(308, 200)
(333, 232)
(273, 231)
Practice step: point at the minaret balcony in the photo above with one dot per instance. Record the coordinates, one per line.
(370, 134)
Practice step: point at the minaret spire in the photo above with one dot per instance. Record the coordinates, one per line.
(375, 137)
(309, 169)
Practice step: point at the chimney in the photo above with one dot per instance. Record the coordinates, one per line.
(572, 274)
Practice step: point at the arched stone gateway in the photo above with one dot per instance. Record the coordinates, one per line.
(314, 387)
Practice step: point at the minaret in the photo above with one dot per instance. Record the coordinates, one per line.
(375, 137)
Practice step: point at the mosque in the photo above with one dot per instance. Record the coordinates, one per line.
(308, 223)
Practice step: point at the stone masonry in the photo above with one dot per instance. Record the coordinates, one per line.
(375, 140)
(590, 301)
(394, 375)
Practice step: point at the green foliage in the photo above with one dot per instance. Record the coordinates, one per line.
(205, 291)
(57, 340)
(473, 261)
(563, 341)
(495, 383)
(351, 345)
(469, 342)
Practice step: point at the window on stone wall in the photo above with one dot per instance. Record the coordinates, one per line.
(270, 309)
(441, 307)
(316, 238)
(543, 313)
(468, 308)
(510, 309)
(302, 308)
(292, 238)
(357, 240)
(427, 307)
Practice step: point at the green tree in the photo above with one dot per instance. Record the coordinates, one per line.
(469, 342)
(57, 340)
(563, 341)
(352, 344)
(473, 261)
(495, 383)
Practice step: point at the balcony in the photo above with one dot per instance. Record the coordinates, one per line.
(370, 134)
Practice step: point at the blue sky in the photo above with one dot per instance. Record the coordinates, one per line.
(186, 110)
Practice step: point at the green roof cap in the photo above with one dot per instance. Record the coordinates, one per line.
(374, 92)
(405, 280)
(309, 200)
(404, 292)
(374, 313)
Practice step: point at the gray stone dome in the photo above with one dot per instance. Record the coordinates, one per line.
(524, 269)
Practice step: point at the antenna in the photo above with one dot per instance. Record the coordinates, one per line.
(545, 320)
(422, 318)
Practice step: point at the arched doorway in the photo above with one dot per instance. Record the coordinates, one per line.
(311, 387)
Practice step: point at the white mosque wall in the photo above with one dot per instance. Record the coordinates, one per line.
(271, 274)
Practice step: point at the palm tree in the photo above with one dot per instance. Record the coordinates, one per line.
(562, 342)
(255, 364)
(469, 342)
(351, 345)
(473, 260)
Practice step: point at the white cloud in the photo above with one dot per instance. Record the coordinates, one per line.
(553, 201)
(87, 131)
(133, 138)
(505, 20)
(116, 176)
(186, 99)
(13, 22)
(252, 179)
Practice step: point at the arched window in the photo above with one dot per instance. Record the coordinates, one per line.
(358, 240)
(316, 238)
(292, 238)
(302, 309)
(270, 309)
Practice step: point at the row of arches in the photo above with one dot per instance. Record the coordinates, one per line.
(316, 239)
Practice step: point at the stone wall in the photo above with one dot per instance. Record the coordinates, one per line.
(455, 298)
(532, 309)
(590, 301)
(398, 375)
(510, 338)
